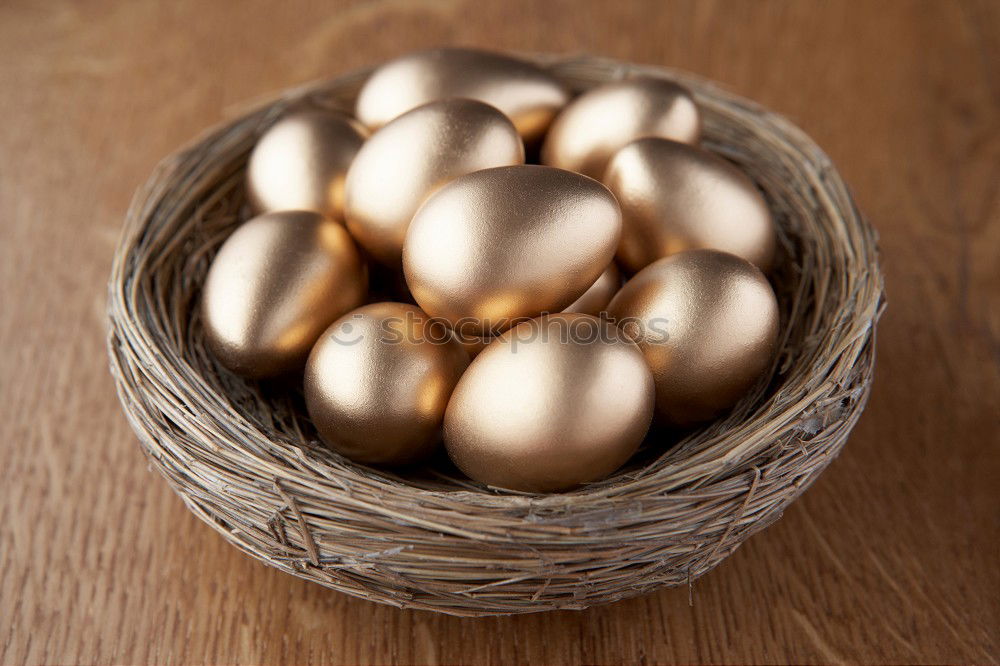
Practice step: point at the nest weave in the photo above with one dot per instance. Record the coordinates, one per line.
(245, 458)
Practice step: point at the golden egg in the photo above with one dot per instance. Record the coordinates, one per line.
(411, 157)
(277, 282)
(301, 162)
(552, 403)
(707, 323)
(378, 381)
(509, 243)
(524, 92)
(595, 299)
(677, 197)
(598, 123)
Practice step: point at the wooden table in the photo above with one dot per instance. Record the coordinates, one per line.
(890, 557)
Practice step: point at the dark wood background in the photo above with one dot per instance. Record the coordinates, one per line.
(892, 556)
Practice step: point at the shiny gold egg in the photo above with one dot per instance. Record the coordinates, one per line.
(595, 299)
(378, 381)
(508, 243)
(301, 162)
(677, 197)
(524, 92)
(707, 323)
(277, 282)
(598, 123)
(411, 157)
(552, 403)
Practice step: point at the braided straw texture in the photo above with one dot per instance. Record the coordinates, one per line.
(245, 458)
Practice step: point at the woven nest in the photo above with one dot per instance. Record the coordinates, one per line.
(245, 458)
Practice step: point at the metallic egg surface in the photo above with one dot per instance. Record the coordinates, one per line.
(277, 282)
(413, 155)
(554, 402)
(601, 121)
(524, 92)
(677, 197)
(707, 323)
(509, 243)
(597, 297)
(301, 161)
(378, 381)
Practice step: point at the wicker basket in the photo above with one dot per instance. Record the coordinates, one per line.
(245, 458)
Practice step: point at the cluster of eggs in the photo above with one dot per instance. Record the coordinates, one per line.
(509, 331)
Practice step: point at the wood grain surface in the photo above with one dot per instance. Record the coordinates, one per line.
(892, 556)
